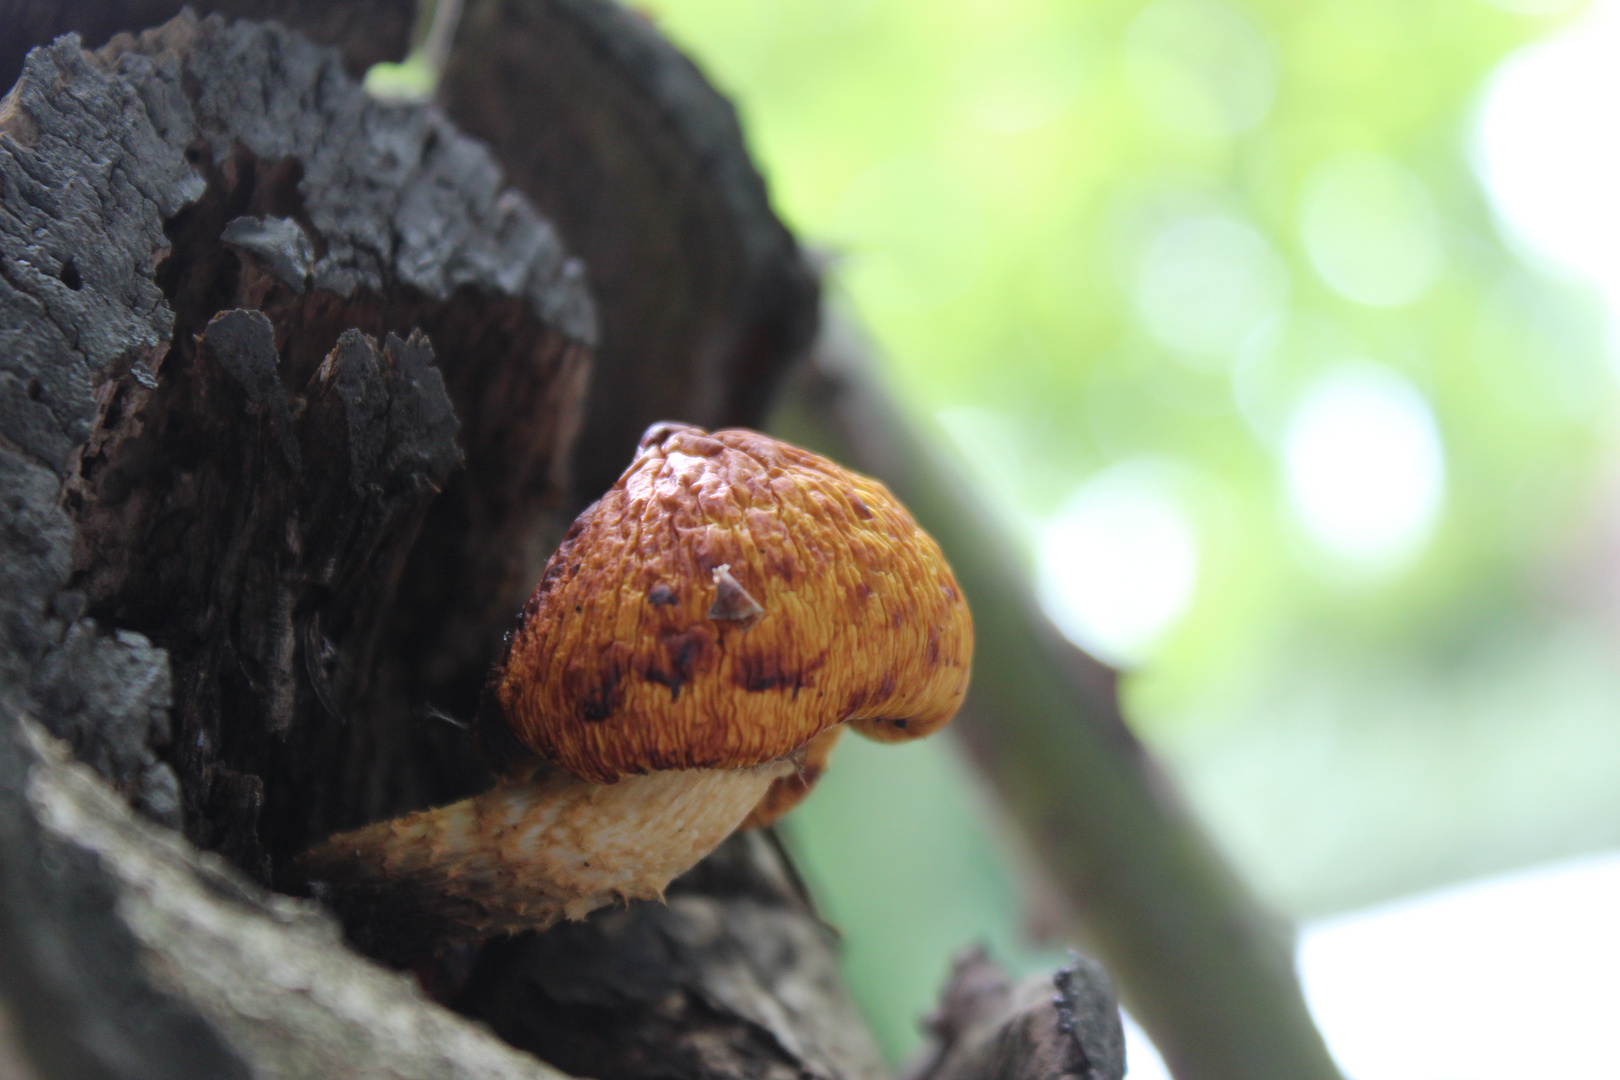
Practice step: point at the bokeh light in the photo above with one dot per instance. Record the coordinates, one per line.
(1551, 176)
(1206, 283)
(1366, 470)
(1371, 229)
(1539, 1001)
(1119, 561)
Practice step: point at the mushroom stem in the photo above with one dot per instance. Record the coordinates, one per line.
(529, 853)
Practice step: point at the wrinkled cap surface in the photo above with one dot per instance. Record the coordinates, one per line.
(728, 600)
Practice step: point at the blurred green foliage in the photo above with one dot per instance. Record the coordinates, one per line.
(1087, 234)
(907, 861)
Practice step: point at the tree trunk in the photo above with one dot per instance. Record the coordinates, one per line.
(365, 31)
(619, 139)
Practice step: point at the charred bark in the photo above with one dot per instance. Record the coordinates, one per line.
(365, 31)
(251, 460)
(734, 979)
(256, 519)
(1063, 1026)
(130, 954)
(288, 384)
(620, 140)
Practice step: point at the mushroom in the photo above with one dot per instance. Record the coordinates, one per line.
(694, 648)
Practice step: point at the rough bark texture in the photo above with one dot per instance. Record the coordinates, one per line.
(1063, 1026)
(287, 384)
(231, 383)
(735, 979)
(366, 31)
(145, 958)
(620, 140)
(243, 542)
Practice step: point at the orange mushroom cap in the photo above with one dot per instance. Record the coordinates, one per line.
(728, 600)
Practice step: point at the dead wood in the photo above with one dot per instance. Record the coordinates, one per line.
(288, 382)
(255, 521)
(1063, 1026)
(734, 979)
(365, 31)
(620, 140)
(251, 467)
(147, 958)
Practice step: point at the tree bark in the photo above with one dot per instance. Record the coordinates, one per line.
(734, 979)
(259, 463)
(238, 523)
(619, 139)
(1063, 1026)
(288, 385)
(365, 31)
(129, 953)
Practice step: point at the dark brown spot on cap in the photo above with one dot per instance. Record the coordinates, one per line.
(600, 701)
(684, 655)
(759, 672)
(596, 687)
(661, 595)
